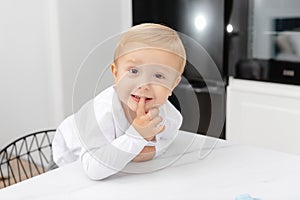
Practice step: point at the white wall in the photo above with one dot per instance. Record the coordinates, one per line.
(25, 69)
(83, 25)
(42, 46)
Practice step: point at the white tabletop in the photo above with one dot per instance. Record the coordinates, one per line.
(223, 173)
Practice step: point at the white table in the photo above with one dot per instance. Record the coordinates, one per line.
(227, 171)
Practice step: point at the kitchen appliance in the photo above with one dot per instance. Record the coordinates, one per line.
(200, 96)
(273, 42)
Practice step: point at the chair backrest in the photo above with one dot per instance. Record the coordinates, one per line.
(26, 157)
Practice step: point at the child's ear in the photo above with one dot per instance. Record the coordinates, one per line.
(114, 70)
(177, 82)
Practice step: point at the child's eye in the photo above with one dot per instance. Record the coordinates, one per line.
(133, 71)
(159, 76)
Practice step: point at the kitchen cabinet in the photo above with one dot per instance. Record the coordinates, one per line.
(263, 114)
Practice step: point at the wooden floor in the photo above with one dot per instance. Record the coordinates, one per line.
(16, 166)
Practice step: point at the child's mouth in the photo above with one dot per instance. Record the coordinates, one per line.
(137, 98)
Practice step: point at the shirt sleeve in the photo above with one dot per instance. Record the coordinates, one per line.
(102, 154)
(60, 150)
(104, 161)
(164, 141)
(65, 146)
(173, 122)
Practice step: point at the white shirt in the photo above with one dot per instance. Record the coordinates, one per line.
(100, 135)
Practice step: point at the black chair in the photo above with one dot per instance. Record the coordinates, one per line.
(26, 157)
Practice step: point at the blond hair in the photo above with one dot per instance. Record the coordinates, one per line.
(154, 36)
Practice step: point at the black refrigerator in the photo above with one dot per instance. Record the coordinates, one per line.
(201, 96)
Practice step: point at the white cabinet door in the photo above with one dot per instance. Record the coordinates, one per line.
(264, 114)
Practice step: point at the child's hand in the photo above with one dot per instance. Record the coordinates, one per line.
(146, 154)
(147, 124)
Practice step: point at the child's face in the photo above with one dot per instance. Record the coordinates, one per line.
(149, 73)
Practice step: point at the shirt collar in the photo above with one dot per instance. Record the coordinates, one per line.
(118, 112)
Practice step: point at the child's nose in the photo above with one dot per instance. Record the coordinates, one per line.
(144, 87)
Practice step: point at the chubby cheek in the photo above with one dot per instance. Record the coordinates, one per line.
(162, 95)
(124, 88)
(162, 100)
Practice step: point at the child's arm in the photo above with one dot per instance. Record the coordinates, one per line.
(105, 160)
(172, 121)
(147, 153)
(147, 124)
(102, 155)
